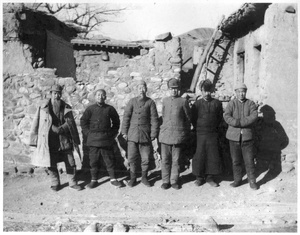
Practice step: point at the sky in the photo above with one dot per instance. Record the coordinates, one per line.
(147, 19)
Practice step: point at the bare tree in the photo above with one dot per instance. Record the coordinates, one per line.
(88, 17)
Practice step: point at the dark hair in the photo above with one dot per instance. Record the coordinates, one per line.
(206, 85)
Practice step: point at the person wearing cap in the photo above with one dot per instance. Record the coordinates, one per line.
(100, 123)
(241, 115)
(140, 127)
(207, 114)
(174, 133)
(55, 135)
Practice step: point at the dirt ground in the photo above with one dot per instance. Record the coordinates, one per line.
(30, 205)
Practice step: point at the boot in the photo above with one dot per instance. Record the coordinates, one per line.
(253, 184)
(132, 181)
(210, 181)
(144, 179)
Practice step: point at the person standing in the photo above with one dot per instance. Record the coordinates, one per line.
(207, 114)
(240, 115)
(55, 136)
(174, 132)
(100, 123)
(140, 127)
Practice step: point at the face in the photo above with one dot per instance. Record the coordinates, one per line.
(100, 97)
(55, 95)
(174, 91)
(241, 94)
(142, 90)
(206, 94)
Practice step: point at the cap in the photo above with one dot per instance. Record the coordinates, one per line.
(56, 88)
(173, 83)
(141, 82)
(240, 85)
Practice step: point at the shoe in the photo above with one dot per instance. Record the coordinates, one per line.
(132, 183)
(199, 182)
(55, 188)
(211, 182)
(116, 183)
(175, 186)
(145, 182)
(92, 184)
(76, 187)
(165, 185)
(253, 185)
(236, 184)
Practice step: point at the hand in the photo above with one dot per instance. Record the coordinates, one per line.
(125, 137)
(55, 129)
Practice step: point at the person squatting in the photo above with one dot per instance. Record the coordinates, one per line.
(55, 136)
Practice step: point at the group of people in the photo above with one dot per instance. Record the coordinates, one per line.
(55, 135)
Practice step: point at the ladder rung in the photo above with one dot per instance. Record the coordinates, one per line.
(210, 71)
(214, 58)
(221, 47)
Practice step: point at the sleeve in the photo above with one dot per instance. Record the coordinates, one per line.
(85, 121)
(33, 137)
(71, 127)
(252, 117)
(127, 117)
(154, 120)
(115, 119)
(228, 116)
(187, 111)
(220, 113)
(194, 114)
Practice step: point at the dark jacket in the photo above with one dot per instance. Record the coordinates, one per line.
(207, 115)
(176, 116)
(100, 123)
(140, 120)
(240, 116)
(41, 129)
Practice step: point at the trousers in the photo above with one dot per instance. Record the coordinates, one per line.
(170, 162)
(107, 153)
(134, 151)
(242, 151)
(68, 158)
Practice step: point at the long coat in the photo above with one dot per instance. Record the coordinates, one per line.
(39, 133)
(176, 126)
(240, 116)
(140, 120)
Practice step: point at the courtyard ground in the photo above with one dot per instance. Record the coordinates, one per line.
(30, 205)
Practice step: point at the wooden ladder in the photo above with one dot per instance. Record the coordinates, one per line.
(219, 56)
(208, 54)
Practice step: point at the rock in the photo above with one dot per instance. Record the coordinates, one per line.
(107, 228)
(292, 157)
(23, 90)
(164, 37)
(118, 227)
(135, 74)
(18, 110)
(287, 167)
(138, 78)
(156, 79)
(93, 227)
(211, 224)
(122, 85)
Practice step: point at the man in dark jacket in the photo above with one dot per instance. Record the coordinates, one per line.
(100, 123)
(55, 135)
(207, 114)
(174, 132)
(240, 114)
(139, 128)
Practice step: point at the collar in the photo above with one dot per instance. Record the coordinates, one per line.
(100, 105)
